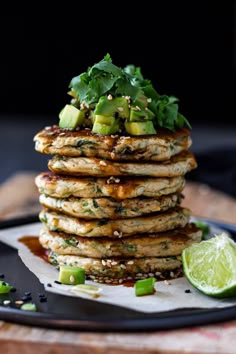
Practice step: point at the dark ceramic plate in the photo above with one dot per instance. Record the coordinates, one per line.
(76, 313)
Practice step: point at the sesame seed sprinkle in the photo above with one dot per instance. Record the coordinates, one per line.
(72, 279)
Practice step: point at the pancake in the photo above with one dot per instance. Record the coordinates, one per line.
(169, 243)
(178, 165)
(65, 142)
(101, 208)
(177, 217)
(119, 269)
(117, 188)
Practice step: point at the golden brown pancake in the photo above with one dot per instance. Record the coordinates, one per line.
(101, 208)
(178, 165)
(176, 217)
(65, 142)
(162, 244)
(117, 188)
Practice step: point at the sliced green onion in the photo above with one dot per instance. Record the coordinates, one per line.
(87, 289)
(5, 288)
(29, 307)
(71, 275)
(145, 286)
(204, 227)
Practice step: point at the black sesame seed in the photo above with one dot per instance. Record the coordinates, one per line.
(49, 285)
(43, 299)
(2, 275)
(57, 282)
(41, 295)
(13, 290)
(26, 298)
(27, 293)
(187, 291)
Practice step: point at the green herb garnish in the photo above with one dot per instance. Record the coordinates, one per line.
(105, 82)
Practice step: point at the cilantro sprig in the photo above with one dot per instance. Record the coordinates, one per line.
(106, 78)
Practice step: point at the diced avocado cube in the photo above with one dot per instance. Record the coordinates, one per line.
(71, 117)
(104, 120)
(104, 129)
(140, 128)
(141, 101)
(71, 275)
(118, 105)
(140, 115)
(5, 288)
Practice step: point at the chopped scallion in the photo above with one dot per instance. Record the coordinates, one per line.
(144, 286)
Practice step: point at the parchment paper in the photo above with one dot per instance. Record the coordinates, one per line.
(167, 297)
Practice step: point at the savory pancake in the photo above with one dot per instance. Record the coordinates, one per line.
(112, 269)
(117, 188)
(178, 165)
(163, 244)
(65, 142)
(101, 208)
(176, 217)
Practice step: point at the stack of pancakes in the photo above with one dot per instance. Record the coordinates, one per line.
(112, 203)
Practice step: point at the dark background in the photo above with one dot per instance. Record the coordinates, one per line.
(187, 48)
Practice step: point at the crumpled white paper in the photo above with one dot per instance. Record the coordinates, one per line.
(166, 297)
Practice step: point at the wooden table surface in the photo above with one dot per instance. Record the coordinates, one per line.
(18, 196)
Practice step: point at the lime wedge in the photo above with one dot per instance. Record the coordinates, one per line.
(210, 266)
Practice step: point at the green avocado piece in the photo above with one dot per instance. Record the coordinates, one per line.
(104, 129)
(140, 115)
(71, 117)
(104, 120)
(5, 288)
(71, 275)
(140, 128)
(141, 101)
(118, 105)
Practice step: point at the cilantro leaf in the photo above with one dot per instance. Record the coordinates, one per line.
(106, 78)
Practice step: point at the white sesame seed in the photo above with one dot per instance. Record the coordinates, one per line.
(117, 180)
(151, 274)
(109, 97)
(120, 109)
(116, 233)
(102, 163)
(47, 128)
(120, 235)
(104, 262)
(113, 263)
(172, 274)
(138, 108)
(130, 262)
(167, 282)
(61, 134)
(123, 266)
(19, 302)
(120, 281)
(72, 278)
(149, 100)
(158, 273)
(108, 281)
(139, 274)
(6, 302)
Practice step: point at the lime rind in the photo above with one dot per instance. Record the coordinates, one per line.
(210, 266)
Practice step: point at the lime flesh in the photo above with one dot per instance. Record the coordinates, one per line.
(210, 266)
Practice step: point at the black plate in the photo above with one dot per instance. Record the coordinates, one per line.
(76, 313)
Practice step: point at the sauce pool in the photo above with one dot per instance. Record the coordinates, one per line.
(33, 244)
